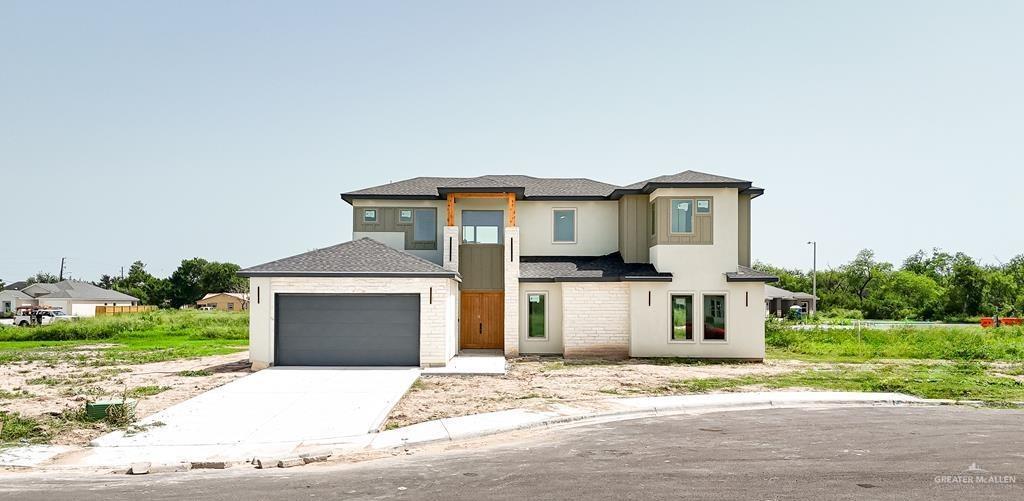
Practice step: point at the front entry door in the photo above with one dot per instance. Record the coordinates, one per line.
(482, 320)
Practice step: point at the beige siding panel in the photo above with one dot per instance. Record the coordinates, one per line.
(744, 229)
(703, 224)
(387, 221)
(481, 267)
(633, 241)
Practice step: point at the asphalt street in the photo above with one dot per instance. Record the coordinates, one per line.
(835, 453)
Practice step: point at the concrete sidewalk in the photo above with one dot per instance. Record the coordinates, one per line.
(479, 425)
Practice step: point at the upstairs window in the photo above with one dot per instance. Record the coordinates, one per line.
(564, 226)
(424, 228)
(369, 215)
(482, 226)
(703, 206)
(405, 216)
(682, 215)
(650, 218)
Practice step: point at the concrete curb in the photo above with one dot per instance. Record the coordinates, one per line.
(491, 423)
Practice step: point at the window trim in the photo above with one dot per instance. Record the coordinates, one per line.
(412, 215)
(725, 299)
(575, 225)
(546, 328)
(376, 215)
(413, 223)
(672, 212)
(693, 299)
(696, 207)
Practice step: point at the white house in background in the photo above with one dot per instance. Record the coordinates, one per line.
(77, 298)
(520, 265)
(11, 299)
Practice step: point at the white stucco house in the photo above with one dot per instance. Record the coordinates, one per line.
(524, 265)
(76, 297)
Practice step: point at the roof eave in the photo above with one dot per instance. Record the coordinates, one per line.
(595, 279)
(349, 197)
(354, 274)
(734, 278)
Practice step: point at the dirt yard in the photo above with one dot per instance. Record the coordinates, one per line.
(538, 382)
(51, 390)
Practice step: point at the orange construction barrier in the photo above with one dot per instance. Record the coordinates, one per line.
(991, 322)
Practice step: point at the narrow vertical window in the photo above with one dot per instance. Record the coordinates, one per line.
(714, 317)
(682, 317)
(650, 218)
(536, 316)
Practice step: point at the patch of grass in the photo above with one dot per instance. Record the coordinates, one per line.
(196, 373)
(146, 391)
(418, 385)
(955, 381)
(528, 396)
(932, 343)
(13, 394)
(20, 429)
(128, 339)
(47, 380)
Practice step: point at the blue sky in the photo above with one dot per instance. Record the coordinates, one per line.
(226, 130)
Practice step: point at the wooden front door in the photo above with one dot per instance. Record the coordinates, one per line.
(482, 320)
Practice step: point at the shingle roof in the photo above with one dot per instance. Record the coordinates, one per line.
(238, 295)
(608, 268)
(531, 187)
(772, 292)
(747, 274)
(14, 294)
(16, 286)
(74, 289)
(688, 177)
(359, 258)
(537, 187)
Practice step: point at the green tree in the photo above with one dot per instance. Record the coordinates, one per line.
(42, 278)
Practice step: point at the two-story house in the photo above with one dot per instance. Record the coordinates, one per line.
(526, 265)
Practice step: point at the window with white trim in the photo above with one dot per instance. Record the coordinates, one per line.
(369, 215)
(536, 315)
(682, 317)
(714, 317)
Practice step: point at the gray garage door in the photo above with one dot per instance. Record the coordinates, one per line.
(347, 330)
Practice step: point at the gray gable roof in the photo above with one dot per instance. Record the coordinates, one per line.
(16, 286)
(538, 188)
(74, 289)
(609, 268)
(359, 258)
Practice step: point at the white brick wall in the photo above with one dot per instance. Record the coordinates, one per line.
(435, 315)
(450, 259)
(511, 260)
(595, 319)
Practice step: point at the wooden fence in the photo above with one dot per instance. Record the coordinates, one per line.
(117, 310)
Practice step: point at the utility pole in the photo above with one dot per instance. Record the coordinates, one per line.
(61, 269)
(814, 275)
(122, 273)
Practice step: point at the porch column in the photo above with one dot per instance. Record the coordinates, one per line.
(450, 259)
(510, 258)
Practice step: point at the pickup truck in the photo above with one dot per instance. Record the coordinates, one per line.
(35, 315)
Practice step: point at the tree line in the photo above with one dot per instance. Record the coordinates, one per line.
(927, 286)
(187, 284)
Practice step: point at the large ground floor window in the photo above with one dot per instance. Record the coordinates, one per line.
(682, 317)
(714, 317)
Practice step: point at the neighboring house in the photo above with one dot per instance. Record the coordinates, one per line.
(225, 301)
(77, 298)
(16, 286)
(778, 301)
(11, 299)
(525, 265)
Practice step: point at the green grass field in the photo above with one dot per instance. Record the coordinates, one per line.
(128, 339)
(938, 343)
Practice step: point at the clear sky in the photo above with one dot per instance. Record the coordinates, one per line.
(226, 130)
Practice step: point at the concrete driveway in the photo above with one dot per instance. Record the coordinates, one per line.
(271, 412)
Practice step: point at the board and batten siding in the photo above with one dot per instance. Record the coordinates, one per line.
(387, 221)
(633, 213)
(703, 224)
(480, 266)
